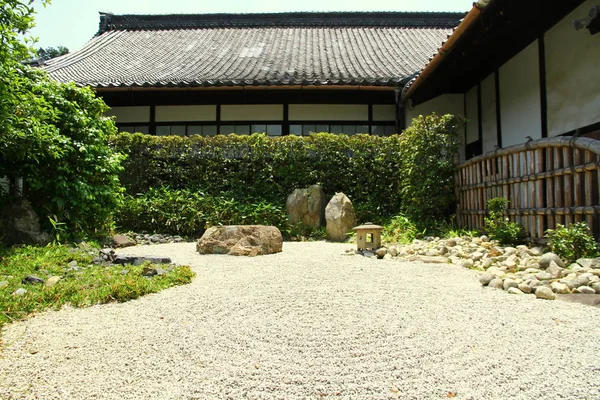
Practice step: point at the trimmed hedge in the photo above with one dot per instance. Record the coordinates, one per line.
(260, 168)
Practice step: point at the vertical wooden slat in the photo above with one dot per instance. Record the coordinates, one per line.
(588, 182)
(557, 194)
(567, 184)
(577, 178)
(539, 193)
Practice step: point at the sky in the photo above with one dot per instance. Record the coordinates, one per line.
(72, 23)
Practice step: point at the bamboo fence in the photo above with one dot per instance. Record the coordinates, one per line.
(547, 182)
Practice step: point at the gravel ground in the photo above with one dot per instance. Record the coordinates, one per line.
(308, 323)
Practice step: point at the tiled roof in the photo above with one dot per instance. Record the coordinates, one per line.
(374, 49)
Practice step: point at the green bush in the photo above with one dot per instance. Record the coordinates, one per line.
(54, 136)
(498, 226)
(427, 166)
(572, 242)
(400, 229)
(254, 167)
(190, 213)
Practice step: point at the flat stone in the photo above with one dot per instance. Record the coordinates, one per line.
(513, 290)
(123, 241)
(431, 260)
(19, 292)
(3, 284)
(554, 270)
(584, 290)
(150, 271)
(53, 280)
(33, 279)
(545, 293)
(544, 276)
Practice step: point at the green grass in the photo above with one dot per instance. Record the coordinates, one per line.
(90, 285)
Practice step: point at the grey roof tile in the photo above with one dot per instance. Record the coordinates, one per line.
(375, 49)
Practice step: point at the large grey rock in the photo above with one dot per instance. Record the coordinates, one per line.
(19, 224)
(241, 240)
(584, 290)
(307, 206)
(547, 257)
(339, 217)
(589, 263)
(545, 293)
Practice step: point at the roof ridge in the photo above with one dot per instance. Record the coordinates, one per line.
(396, 19)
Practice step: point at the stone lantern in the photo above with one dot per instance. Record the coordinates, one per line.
(368, 236)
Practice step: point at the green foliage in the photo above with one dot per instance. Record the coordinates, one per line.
(400, 229)
(89, 286)
(427, 166)
(51, 52)
(572, 242)
(499, 227)
(189, 213)
(253, 167)
(70, 172)
(54, 136)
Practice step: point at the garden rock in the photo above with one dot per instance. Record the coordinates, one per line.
(3, 284)
(19, 224)
(596, 287)
(149, 271)
(241, 240)
(496, 283)
(514, 290)
(33, 279)
(53, 280)
(486, 278)
(510, 283)
(546, 258)
(523, 287)
(584, 290)
(122, 241)
(554, 270)
(559, 288)
(545, 293)
(588, 263)
(307, 206)
(381, 252)
(19, 292)
(339, 217)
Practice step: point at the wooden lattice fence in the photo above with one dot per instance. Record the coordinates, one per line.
(547, 182)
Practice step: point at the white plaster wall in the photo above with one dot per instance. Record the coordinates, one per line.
(252, 112)
(444, 104)
(384, 112)
(488, 114)
(472, 127)
(328, 112)
(185, 113)
(130, 114)
(520, 97)
(572, 74)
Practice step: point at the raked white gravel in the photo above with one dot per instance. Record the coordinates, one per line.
(308, 323)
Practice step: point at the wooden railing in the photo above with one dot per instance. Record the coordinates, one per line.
(547, 182)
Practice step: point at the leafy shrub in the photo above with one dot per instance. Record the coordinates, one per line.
(400, 229)
(254, 167)
(189, 213)
(572, 242)
(54, 136)
(427, 166)
(499, 227)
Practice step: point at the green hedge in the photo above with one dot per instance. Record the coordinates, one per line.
(189, 213)
(259, 168)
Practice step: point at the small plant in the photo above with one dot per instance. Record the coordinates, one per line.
(572, 242)
(499, 227)
(400, 229)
